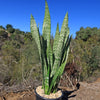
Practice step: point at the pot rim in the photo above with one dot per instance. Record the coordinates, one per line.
(48, 98)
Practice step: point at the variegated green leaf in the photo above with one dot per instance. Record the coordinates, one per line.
(47, 81)
(66, 49)
(50, 54)
(60, 45)
(43, 60)
(65, 24)
(60, 70)
(56, 39)
(67, 35)
(46, 25)
(35, 34)
(57, 74)
(41, 48)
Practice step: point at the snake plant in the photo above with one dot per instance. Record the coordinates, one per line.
(53, 59)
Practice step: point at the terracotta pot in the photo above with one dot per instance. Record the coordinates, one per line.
(38, 97)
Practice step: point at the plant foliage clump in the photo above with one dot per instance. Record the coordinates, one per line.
(53, 60)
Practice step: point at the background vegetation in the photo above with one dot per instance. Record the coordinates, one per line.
(19, 58)
(85, 53)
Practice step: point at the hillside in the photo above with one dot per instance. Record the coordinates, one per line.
(17, 51)
(20, 65)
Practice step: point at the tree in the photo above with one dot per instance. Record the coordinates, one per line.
(11, 30)
(1, 27)
(9, 26)
(17, 31)
(85, 33)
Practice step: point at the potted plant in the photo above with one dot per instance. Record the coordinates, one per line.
(53, 59)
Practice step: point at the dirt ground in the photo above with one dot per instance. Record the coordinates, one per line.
(87, 91)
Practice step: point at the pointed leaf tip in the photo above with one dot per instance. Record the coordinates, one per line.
(45, 1)
(46, 4)
(32, 16)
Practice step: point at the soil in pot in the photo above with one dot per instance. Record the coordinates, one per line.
(53, 96)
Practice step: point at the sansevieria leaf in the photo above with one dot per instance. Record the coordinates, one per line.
(35, 34)
(59, 72)
(59, 47)
(56, 40)
(47, 81)
(66, 49)
(50, 54)
(67, 36)
(46, 25)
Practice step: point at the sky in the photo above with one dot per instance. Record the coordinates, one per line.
(82, 13)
